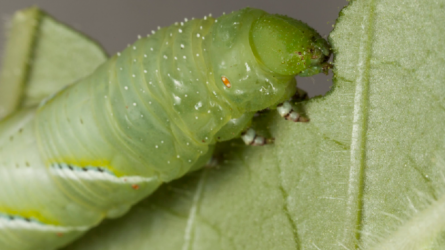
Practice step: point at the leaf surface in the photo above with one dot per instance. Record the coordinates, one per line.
(42, 56)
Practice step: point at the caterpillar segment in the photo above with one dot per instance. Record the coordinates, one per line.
(150, 114)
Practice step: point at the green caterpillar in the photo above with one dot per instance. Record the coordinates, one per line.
(147, 116)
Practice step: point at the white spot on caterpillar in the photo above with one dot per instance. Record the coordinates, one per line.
(182, 46)
(134, 47)
(153, 32)
(184, 57)
(151, 49)
(196, 117)
(134, 75)
(162, 141)
(210, 14)
(186, 20)
(165, 57)
(197, 54)
(200, 27)
(178, 156)
(176, 58)
(134, 104)
(208, 111)
(178, 69)
(139, 37)
(188, 143)
(156, 146)
(142, 115)
(171, 34)
(145, 71)
(180, 30)
(159, 27)
(120, 68)
(198, 35)
(205, 17)
(126, 88)
(198, 105)
(182, 24)
(118, 53)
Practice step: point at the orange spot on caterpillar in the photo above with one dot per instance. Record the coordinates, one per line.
(226, 81)
(59, 234)
(135, 186)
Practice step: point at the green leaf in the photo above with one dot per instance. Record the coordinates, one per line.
(364, 171)
(42, 56)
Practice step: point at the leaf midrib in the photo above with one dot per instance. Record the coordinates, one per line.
(354, 205)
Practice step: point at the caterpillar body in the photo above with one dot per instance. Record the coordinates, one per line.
(148, 115)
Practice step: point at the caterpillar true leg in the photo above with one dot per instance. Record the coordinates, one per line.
(287, 111)
(250, 137)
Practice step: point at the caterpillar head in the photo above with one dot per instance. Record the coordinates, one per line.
(288, 46)
(255, 57)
